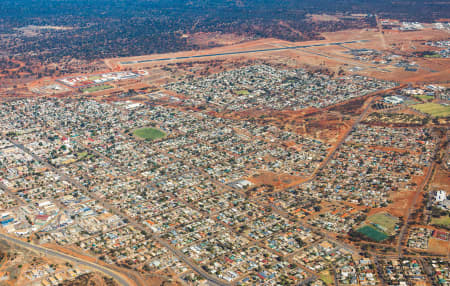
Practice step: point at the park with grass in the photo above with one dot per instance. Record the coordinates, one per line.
(149, 133)
(242, 92)
(424, 97)
(379, 227)
(433, 109)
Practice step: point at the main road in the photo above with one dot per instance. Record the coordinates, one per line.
(366, 109)
(50, 252)
(412, 205)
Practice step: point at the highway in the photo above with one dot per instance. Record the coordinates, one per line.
(50, 252)
(241, 52)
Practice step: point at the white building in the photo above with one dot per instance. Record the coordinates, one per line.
(440, 196)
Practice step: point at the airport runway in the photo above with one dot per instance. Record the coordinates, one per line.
(242, 52)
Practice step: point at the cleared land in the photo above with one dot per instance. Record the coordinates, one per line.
(380, 118)
(434, 109)
(439, 246)
(149, 133)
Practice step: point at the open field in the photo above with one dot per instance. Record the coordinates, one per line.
(433, 109)
(96, 88)
(206, 39)
(424, 97)
(275, 179)
(323, 17)
(439, 246)
(384, 221)
(384, 118)
(443, 220)
(327, 125)
(326, 277)
(440, 179)
(149, 133)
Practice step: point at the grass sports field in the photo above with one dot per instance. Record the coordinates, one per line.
(384, 221)
(434, 109)
(424, 97)
(242, 92)
(372, 233)
(443, 220)
(149, 133)
(96, 88)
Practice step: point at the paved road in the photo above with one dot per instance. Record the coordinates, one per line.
(414, 201)
(212, 279)
(121, 280)
(241, 52)
(361, 117)
(366, 111)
